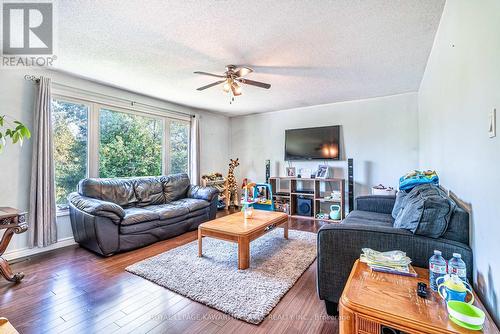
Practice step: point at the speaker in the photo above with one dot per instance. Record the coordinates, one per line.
(268, 170)
(304, 206)
(350, 183)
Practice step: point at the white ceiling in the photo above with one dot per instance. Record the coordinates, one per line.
(311, 52)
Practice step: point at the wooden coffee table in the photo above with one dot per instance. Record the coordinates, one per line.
(372, 299)
(237, 229)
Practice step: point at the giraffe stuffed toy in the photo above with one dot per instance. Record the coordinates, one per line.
(233, 193)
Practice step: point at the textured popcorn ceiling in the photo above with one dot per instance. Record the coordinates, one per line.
(311, 52)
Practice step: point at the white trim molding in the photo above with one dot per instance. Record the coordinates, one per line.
(25, 252)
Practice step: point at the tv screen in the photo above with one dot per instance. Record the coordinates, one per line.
(312, 143)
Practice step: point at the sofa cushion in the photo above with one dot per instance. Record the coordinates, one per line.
(149, 191)
(458, 227)
(426, 211)
(398, 204)
(193, 204)
(169, 210)
(175, 186)
(119, 191)
(138, 215)
(368, 217)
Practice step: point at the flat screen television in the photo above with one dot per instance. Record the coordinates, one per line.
(320, 143)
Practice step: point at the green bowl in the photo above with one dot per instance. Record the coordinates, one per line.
(466, 315)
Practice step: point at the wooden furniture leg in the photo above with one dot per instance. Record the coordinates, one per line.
(4, 265)
(200, 243)
(285, 228)
(243, 253)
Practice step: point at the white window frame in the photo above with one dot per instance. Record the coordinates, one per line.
(95, 102)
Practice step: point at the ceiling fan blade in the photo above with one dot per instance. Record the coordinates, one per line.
(242, 71)
(254, 83)
(211, 85)
(210, 74)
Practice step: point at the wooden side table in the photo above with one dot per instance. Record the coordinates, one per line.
(371, 300)
(13, 222)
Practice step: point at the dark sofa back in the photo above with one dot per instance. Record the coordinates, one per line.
(119, 191)
(139, 191)
(458, 227)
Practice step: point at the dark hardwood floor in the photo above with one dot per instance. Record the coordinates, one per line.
(72, 290)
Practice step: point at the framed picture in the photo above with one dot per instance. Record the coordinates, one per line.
(290, 171)
(322, 172)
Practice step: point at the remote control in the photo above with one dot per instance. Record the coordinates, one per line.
(422, 289)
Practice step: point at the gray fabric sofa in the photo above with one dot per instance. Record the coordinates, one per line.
(371, 225)
(114, 215)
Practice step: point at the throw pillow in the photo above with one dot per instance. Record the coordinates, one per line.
(426, 211)
(398, 204)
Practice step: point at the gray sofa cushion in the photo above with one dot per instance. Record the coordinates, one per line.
(398, 204)
(138, 215)
(426, 211)
(149, 191)
(368, 217)
(458, 227)
(169, 210)
(119, 191)
(175, 186)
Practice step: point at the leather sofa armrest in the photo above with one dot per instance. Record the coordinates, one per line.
(205, 193)
(96, 207)
(373, 203)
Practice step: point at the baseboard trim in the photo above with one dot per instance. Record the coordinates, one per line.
(24, 252)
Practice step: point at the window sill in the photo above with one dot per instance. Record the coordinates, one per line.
(62, 213)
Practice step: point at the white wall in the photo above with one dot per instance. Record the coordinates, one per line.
(17, 101)
(380, 134)
(461, 86)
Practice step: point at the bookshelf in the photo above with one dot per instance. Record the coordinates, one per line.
(289, 189)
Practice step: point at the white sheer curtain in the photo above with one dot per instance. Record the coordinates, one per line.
(42, 215)
(194, 168)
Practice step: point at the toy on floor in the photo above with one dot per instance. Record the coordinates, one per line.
(232, 197)
(263, 196)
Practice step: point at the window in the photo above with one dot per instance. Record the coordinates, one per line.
(179, 146)
(93, 139)
(70, 127)
(129, 145)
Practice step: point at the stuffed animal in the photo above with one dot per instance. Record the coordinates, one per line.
(232, 186)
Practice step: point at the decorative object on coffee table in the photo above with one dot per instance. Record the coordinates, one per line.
(13, 222)
(237, 228)
(372, 300)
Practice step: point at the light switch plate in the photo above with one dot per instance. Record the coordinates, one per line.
(492, 130)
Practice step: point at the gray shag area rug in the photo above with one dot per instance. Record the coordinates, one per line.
(214, 279)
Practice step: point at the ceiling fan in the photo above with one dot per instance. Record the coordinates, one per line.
(231, 79)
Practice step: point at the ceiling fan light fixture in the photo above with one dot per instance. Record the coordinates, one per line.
(237, 88)
(226, 88)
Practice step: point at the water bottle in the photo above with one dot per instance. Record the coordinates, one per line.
(457, 266)
(437, 268)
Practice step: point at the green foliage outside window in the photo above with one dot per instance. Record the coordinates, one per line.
(179, 147)
(69, 122)
(130, 145)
